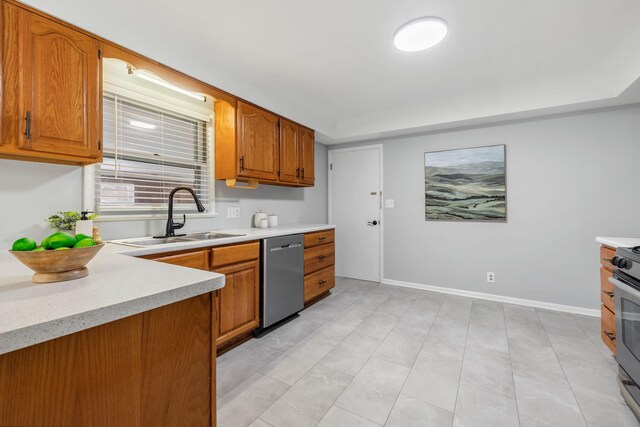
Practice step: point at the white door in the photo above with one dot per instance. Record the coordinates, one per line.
(355, 202)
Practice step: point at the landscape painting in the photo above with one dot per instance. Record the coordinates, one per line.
(466, 185)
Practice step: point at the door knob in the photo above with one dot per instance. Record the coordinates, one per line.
(372, 223)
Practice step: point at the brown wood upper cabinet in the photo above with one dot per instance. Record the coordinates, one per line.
(257, 143)
(296, 154)
(307, 146)
(52, 90)
(253, 144)
(289, 151)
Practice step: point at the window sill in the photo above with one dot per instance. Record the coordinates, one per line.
(149, 217)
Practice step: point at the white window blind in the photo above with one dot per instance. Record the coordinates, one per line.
(148, 151)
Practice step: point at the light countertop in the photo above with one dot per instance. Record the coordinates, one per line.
(248, 234)
(619, 242)
(119, 285)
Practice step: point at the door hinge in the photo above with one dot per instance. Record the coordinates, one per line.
(99, 54)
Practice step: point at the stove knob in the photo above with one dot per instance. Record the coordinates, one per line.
(625, 264)
(614, 261)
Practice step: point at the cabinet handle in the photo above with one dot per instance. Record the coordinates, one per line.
(608, 293)
(322, 257)
(297, 172)
(27, 132)
(322, 283)
(322, 239)
(609, 335)
(302, 170)
(241, 163)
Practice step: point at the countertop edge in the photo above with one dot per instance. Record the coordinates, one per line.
(617, 242)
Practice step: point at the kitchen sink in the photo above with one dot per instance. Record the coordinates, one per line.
(193, 237)
(209, 236)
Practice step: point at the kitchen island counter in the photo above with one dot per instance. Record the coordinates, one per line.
(118, 286)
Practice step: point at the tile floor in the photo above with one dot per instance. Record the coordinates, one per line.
(374, 355)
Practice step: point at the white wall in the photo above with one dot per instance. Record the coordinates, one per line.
(29, 192)
(569, 179)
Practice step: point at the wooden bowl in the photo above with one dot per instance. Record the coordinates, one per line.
(58, 266)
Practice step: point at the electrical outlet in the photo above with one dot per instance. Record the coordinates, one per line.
(233, 212)
(491, 277)
(389, 203)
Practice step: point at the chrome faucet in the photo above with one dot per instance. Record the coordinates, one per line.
(172, 226)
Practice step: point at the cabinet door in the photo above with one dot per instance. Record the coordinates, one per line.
(307, 143)
(257, 143)
(289, 151)
(60, 88)
(238, 301)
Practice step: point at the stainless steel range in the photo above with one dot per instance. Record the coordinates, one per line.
(626, 279)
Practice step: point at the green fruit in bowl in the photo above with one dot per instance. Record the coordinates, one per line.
(60, 240)
(39, 249)
(24, 244)
(45, 241)
(62, 248)
(80, 237)
(85, 243)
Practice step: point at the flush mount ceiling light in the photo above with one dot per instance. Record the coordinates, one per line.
(420, 34)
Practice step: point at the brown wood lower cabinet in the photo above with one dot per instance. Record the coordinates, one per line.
(239, 300)
(319, 260)
(151, 369)
(318, 283)
(607, 309)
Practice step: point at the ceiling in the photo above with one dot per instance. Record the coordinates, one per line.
(331, 64)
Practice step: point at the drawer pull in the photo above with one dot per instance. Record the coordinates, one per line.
(322, 239)
(610, 335)
(608, 293)
(322, 257)
(322, 283)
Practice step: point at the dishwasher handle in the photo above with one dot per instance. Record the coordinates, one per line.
(283, 247)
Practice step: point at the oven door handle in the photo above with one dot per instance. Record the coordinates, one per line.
(624, 287)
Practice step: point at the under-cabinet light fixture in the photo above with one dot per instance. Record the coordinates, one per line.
(153, 79)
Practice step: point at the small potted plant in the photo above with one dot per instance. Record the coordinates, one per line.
(65, 221)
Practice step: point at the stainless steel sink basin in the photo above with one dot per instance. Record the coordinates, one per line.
(193, 237)
(150, 241)
(209, 236)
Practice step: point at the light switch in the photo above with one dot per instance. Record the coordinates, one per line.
(389, 203)
(233, 212)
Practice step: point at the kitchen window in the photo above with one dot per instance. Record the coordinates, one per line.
(148, 151)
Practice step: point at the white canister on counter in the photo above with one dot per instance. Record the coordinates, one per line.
(273, 220)
(264, 223)
(258, 217)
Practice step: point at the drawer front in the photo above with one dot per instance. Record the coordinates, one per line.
(192, 260)
(606, 290)
(318, 257)
(608, 322)
(607, 253)
(226, 255)
(319, 238)
(318, 283)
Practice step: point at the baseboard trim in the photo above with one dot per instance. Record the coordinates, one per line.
(493, 297)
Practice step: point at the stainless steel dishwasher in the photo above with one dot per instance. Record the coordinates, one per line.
(282, 278)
